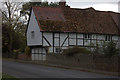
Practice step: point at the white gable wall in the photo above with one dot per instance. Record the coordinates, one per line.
(33, 26)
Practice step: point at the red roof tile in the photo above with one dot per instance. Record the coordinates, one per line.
(65, 19)
(48, 13)
(116, 18)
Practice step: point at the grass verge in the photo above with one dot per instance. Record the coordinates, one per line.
(8, 77)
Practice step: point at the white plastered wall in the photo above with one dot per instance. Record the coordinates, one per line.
(33, 26)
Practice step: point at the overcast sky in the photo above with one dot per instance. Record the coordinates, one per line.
(103, 5)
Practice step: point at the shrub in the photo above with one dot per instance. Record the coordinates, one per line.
(110, 49)
(27, 51)
(15, 53)
(97, 49)
(76, 50)
(16, 50)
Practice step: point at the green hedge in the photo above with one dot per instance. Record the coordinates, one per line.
(76, 50)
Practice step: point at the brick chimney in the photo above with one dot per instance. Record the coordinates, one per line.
(62, 3)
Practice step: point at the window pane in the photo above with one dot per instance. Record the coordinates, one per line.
(106, 38)
(85, 36)
(32, 34)
(88, 36)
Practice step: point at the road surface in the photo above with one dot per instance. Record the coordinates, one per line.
(22, 70)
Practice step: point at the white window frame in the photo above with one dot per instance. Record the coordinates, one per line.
(87, 36)
(108, 37)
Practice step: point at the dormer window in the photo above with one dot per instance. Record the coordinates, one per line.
(32, 34)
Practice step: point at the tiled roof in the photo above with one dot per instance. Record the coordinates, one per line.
(65, 19)
(48, 13)
(116, 18)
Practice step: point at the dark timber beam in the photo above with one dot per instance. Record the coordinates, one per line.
(64, 41)
(47, 41)
(53, 42)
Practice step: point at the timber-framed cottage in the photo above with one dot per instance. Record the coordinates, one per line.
(53, 29)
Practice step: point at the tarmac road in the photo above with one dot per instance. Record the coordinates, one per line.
(22, 70)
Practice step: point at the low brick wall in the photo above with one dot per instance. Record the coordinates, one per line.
(24, 57)
(97, 62)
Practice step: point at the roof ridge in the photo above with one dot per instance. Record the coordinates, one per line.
(74, 18)
(47, 6)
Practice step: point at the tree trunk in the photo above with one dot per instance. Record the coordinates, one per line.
(10, 43)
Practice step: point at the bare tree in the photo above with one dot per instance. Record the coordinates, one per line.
(11, 14)
(11, 17)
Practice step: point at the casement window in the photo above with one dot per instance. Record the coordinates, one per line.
(32, 34)
(108, 38)
(87, 36)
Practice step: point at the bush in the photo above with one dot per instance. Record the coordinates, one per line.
(110, 49)
(97, 49)
(15, 53)
(27, 51)
(76, 50)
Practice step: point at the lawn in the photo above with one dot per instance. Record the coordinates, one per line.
(8, 77)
